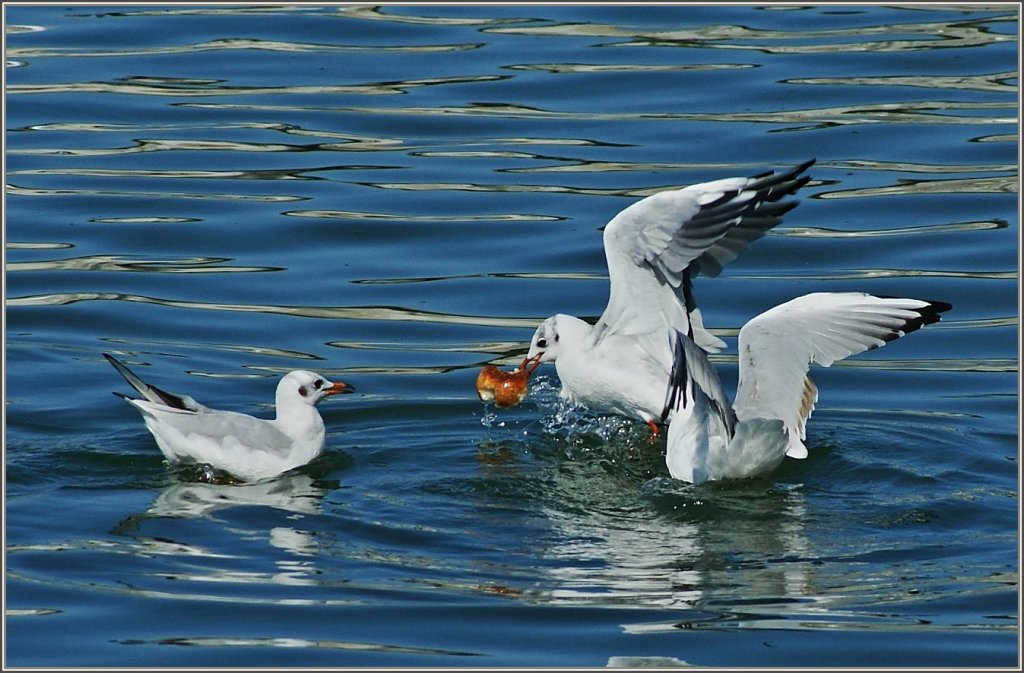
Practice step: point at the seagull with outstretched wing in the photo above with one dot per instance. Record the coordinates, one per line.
(623, 363)
(709, 440)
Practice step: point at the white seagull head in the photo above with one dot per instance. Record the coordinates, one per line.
(556, 333)
(305, 387)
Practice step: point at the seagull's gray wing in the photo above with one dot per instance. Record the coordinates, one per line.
(656, 245)
(777, 347)
(702, 422)
(691, 367)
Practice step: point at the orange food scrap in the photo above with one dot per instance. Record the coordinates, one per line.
(505, 389)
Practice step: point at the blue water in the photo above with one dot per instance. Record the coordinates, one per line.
(394, 196)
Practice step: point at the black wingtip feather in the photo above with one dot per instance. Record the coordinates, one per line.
(787, 175)
(788, 188)
(167, 398)
(797, 170)
(677, 378)
(170, 399)
(805, 165)
(725, 198)
(926, 315)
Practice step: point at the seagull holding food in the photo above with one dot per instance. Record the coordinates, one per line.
(247, 447)
(654, 248)
(647, 357)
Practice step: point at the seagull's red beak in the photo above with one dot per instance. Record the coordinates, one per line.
(339, 388)
(530, 364)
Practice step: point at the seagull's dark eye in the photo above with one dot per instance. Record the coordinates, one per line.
(556, 338)
(542, 343)
(318, 384)
(303, 391)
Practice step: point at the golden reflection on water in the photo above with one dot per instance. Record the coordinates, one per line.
(1003, 184)
(180, 86)
(132, 346)
(860, 274)
(406, 15)
(351, 141)
(14, 29)
(473, 187)
(293, 643)
(160, 145)
(908, 167)
(386, 313)
(265, 174)
(878, 39)
(36, 246)
(205, 196)
(365, 215)
(235, 44)
(535, 276)
(911, 112)
(627, 67)
(116, 263)
(593, 560)
(345, 142)
(824, 232)
(996, 82)
(199, 10)
(997, 365)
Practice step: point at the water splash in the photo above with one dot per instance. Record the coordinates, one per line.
(562, 418)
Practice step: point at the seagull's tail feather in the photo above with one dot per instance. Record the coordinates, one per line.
(151, 393)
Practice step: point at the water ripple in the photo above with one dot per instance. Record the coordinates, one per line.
(378, 13)
(1006, 185)
(296, 643)
(909, 112)
(261, 174)
(347, 141)
(161, 145)
(235, 44)
(204, 196)
(1002, 82)
(183, 86)
(365, 215)
(117, 263)
(561, 68)
(824, 232)
(878, 39)
(435, 527)
(385, 313)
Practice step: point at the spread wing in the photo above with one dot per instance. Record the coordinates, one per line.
(777, 347)
(655, 246)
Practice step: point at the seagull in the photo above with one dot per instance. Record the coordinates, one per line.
(248, 448)
(654, 248)
(710, 440)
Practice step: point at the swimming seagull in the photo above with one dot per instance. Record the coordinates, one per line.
(710, 440)
(247, 447)
(654, 247)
